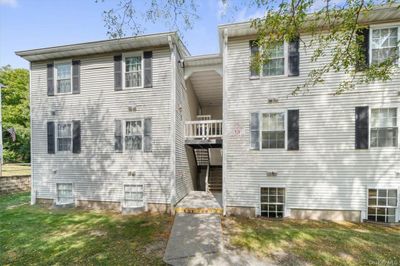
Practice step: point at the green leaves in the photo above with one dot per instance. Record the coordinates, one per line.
(15, 113)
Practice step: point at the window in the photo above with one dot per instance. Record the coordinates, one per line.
(63, 77)
(133, 195)
(133, 135)
(133, 71)
(272, 202)
(64, 193)
(64, 137)
(273, 130)
(276, 61)
(384, 127)
(384, 44)
(382, 205)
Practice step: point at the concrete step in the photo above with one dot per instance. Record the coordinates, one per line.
(198, 210)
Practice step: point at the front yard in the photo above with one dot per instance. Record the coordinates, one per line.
(36, 235)
(291, 242)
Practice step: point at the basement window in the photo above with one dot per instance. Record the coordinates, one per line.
(272, 202)
(64, 193)
(382, 205)
(133, 196)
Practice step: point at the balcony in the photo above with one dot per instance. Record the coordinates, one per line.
(204, 133)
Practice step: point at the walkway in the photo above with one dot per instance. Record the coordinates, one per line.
(196, 237)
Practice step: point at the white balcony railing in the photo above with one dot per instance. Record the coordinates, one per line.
(204, 129)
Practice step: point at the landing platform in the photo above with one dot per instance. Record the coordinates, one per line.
(204, 143)
(200, 202)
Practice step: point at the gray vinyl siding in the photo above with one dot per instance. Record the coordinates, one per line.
(98, 172)
(186, 106)
(327, 172)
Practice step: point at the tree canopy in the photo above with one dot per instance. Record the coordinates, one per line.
(15, 113)
(333, 24)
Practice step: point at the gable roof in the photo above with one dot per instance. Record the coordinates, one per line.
(104, 46)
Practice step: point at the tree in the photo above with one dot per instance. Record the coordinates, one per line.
(15, 112)
(341, 22)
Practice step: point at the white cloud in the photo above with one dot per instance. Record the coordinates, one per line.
(10, 3)
(222, 7)
(244, 15)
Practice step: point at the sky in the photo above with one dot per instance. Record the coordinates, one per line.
(31, 24)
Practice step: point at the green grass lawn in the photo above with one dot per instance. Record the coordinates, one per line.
(291, 242)
(11, 169)
(38, 235)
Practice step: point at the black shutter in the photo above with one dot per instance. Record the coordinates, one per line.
(51, 141)
(293, 130)
(294, 58)
(362, 127)
(147, 135)
(254, 51)
(363, 43)
(254, 131)
(118, 136)
(76, 137)
(50, 79)
(118, 72)
(148, 69)
(76, 76)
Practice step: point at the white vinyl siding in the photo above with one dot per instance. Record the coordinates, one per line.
(272, 202)
(273, 130)
(382, 204)
(133, 135)
(384, 44)
(63, 77)
(98, 173)
(64, 193)
(133, 70)
(276, 61)
(133, 196)
(384, 128)
(327, 173)
(64, 137)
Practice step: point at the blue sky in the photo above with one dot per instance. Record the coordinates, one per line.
(29, 24)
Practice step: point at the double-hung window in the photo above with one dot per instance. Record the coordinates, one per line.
(64, 137)
(384, 128)
(63, 77)
(273, 130)
(272, 202)
(384, 45)
(276, 61)
(133, 196)
(64, 193)
(133, 135)
(382, 204)
(133, 70)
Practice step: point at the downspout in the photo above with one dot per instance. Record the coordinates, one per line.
(224, 115)
(172, 48)
(33, 192)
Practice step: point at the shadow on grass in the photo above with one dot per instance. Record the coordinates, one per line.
(36, 235)
(316, 242)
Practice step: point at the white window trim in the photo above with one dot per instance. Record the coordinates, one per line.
(285, 62)
(379, 27)
(124, 134)
(124, 56)
(144, 200)
(369, 125)
(285, 208)
(69, 61)
(260, 116)
(56, 136)
(397, 215)
(73, 193)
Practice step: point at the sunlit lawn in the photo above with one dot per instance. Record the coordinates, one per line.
(38, 235)
(11, 169)
(292, 242)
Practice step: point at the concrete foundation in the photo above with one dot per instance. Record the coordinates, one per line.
(241, 211)
(331, 215)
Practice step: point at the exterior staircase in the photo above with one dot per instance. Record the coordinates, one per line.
(215, 179)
